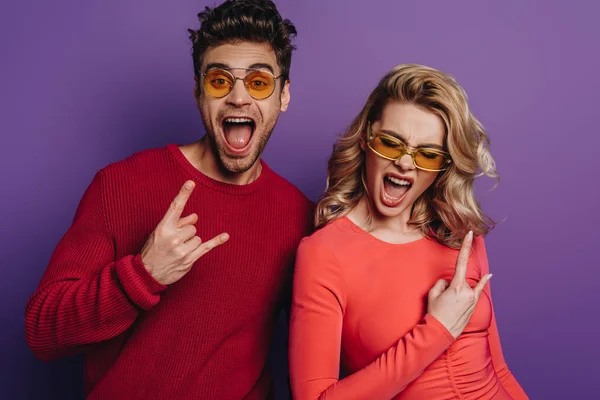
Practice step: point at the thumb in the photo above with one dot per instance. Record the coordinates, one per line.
(437, 289)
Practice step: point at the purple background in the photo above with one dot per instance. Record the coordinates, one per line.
(83, 84)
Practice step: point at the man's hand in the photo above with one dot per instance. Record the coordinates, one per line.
(173, 246)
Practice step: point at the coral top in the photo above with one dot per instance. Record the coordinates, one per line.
(363, 301)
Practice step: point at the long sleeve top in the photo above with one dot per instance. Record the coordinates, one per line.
(363, 302)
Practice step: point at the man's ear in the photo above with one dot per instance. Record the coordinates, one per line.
(285, 96)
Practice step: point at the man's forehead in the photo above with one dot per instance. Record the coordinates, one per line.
(240, 55)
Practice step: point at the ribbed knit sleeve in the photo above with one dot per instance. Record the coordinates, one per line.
(85, 296)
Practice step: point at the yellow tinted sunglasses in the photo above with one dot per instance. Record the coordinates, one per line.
(392, 148)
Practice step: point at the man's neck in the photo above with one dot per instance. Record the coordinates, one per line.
(201, 155)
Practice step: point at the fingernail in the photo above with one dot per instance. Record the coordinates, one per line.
(470, 235)
(224, 237)
(189, 185)
(490, 276)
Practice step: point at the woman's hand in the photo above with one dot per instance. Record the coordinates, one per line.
(453, 303)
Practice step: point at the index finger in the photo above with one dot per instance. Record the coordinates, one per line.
(178, 204)
(460, 273)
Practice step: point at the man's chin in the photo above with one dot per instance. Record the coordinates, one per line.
(238, 165)
(235, 161)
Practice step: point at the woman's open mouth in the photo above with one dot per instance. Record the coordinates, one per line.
(394, 190)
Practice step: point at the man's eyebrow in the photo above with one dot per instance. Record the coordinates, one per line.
(399, 136)
(253, 66)
(262, 66)
(216, 65)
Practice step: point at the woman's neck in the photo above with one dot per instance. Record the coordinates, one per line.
(394, 229)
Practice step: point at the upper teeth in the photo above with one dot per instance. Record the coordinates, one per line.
(398, 181)
(237, 120)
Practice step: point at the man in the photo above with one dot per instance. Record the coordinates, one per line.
(170, 277)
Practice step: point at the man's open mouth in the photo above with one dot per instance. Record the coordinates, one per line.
(238, 131)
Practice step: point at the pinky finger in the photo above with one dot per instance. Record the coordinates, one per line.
(208, 246)
(481, 284)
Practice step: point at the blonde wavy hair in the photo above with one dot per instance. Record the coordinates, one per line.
(448, 209)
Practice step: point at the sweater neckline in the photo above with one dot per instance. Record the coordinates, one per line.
(214, 184)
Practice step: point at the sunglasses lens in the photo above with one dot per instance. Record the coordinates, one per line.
(259, 84)
(387, 147)
(429, 159)
(392, 148)
(218, 83)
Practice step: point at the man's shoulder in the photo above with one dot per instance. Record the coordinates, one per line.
(142, 171)
(138, 162)
(286, 190)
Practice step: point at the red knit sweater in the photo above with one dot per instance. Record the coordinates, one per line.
(203, 337)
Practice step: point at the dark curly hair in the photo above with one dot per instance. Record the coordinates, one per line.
(233, 21)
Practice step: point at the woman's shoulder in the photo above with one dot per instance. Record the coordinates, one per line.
(332, 235)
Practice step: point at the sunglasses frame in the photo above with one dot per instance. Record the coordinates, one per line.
(235, 79)
(411, 151)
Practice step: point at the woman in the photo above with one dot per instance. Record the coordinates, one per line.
(393, 282)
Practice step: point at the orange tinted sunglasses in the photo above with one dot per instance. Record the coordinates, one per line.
(259, 84)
